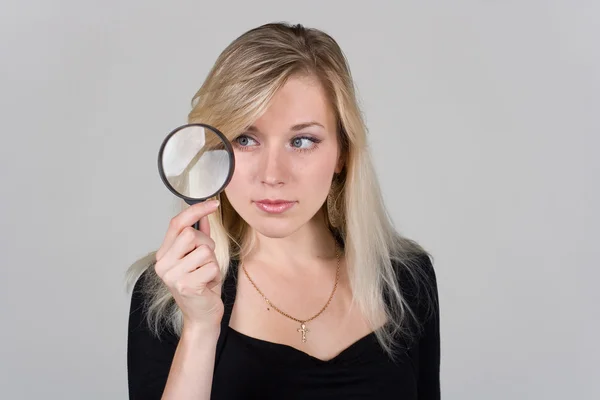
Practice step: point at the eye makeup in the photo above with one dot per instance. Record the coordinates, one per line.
(244, 143)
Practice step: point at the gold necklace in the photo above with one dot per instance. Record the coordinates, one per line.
(303, 329)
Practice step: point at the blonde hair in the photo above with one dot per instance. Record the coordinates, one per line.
(235, 93)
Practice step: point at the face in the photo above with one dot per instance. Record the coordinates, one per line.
(286, 160)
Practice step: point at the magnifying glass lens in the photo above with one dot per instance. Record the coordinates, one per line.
(196, 162)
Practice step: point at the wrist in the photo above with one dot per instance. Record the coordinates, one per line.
(202, 331)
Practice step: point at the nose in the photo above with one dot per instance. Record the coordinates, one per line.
(273, 168)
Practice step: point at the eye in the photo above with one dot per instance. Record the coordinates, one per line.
(304, 143)
(243, 142)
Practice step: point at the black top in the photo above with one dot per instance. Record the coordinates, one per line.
(251, 368)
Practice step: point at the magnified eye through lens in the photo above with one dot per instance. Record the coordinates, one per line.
(196, 162)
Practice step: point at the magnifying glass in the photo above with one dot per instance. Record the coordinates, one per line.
(196, 162)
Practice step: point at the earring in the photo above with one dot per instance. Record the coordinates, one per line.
(333, 211)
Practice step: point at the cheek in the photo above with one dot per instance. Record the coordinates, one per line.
(318, 167)
(314, 179)
(307, 177)
(315, 176)
(237, 186)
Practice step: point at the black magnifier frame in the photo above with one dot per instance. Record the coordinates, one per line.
(228, 147)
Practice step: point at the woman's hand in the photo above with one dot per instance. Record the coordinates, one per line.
(187, 264)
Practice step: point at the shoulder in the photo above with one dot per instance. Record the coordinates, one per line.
(417, 282)
(139, 293)
(149, 354)
(417, 279)
(415, 273)
(149, 314)
(139, 302)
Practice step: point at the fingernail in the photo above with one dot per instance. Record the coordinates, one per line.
(214, 203)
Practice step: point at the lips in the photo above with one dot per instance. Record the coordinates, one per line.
(274, 206)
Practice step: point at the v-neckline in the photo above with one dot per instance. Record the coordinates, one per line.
(229, 292)
(354, 346)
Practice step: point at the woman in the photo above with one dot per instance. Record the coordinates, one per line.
(296, 284)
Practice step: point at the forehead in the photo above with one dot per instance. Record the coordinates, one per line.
(300, 100)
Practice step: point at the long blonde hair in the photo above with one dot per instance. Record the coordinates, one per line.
(236, 91)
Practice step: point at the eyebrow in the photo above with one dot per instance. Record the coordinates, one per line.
(295, 128)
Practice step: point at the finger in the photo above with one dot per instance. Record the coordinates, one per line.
(189, 240)
(196, 260)
(198, 282)
(182, 220)
(207, 276)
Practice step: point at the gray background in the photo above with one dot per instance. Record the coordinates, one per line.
(483, 120)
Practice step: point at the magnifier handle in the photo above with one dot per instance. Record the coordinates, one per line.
(197, 225)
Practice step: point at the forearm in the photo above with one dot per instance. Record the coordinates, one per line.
(191, 373)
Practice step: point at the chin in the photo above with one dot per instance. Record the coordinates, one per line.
(275, 229)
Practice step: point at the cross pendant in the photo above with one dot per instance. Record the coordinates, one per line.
(304, 330)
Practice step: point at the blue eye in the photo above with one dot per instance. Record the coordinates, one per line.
(243, 141)
(298, 144)
(304, 143)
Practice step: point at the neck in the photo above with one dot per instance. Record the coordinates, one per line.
(312, 246)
